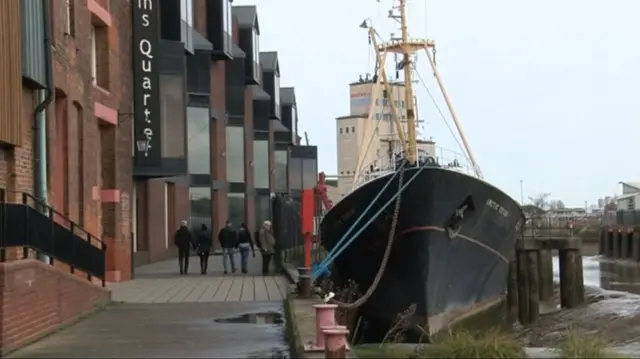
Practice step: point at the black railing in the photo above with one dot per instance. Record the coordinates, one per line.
(287, 230)
(31, 224)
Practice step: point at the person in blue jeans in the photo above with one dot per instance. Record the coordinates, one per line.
(245, 243)
(228, 239)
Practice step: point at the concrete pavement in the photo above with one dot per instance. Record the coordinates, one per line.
(161, 314)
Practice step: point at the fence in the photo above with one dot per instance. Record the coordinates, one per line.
(287, 229)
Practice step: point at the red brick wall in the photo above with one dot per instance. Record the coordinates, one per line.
(102, 152)
(37, 299)
(154, 230)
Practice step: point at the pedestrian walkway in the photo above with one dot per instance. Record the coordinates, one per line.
(161, 283)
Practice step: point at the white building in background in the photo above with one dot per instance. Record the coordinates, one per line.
(630, 196)
(353, 136)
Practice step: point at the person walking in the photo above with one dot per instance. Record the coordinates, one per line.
(184, 241)
(204, 248)
(267, 245)
(228, 239)
(245, 242)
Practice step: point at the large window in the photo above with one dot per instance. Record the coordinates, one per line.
(235, 154)
(309, 173)
(256, 46)
(261, 164)
(235, 203)
(276, 94)
(200, 207)
(280, 170)
(227, 17)
(295, 174)
(198, 135)
(263, 209)
(172, 115)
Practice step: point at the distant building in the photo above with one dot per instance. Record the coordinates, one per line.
(630, 196)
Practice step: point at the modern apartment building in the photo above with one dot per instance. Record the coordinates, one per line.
(355, 134)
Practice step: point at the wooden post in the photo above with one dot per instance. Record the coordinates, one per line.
(579, 278)
(568, 290)
(545, 263)
(616, 244)
(534, 285)
(635, 243)
(523, 288)
(624, 245)
(602, 243)
(608, 242)
(512, 292)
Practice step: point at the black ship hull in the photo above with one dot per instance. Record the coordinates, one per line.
(446, 265)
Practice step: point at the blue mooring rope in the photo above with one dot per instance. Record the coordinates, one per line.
(321, 268)
(323, 265)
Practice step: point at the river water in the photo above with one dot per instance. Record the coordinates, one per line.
(612, 314)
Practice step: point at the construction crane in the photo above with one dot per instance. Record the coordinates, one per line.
(306, 138)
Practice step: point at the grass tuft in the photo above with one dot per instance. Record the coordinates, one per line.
(576, 346)
(463, 344)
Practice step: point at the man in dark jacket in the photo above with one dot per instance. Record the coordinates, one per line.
(204, 248)
(184, 241)
(228, 239)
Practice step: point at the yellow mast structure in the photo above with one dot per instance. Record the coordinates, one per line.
(407, 47)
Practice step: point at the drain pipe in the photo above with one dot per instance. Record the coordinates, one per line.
(40, 123)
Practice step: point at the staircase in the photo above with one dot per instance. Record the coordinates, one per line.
(31, 224)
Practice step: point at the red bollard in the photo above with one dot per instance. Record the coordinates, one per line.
(325, 317)
(335, 343)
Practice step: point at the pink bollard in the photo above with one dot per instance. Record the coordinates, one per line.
(335, 343)
(325, 317)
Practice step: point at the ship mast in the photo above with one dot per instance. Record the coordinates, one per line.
(412, 148)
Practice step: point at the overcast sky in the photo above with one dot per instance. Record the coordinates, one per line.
(548, 91)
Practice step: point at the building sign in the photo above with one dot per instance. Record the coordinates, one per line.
(146, 81)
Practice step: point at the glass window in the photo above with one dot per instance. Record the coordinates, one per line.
(295, 173)
(276, 95)
(200, 206)
(280, 170)
(340, 130)
(172, 115)
(256, 47)
(263, 209)
(261, 164)
(227, 17)
(346, 129)
(235, 154)
(309, 173)
(235, 205)
(198, 135)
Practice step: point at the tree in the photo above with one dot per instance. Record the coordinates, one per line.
(556, 204)
(540, 200)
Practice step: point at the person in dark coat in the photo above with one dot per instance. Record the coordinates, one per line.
(184, 241)
(228, 239)
(204, 248)
(267, 245)
(245, 242)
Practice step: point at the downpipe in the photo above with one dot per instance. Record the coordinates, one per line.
(40, 124)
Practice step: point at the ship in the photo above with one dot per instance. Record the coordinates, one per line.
(417, 231)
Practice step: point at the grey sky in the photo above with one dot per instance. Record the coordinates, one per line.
(546, 90)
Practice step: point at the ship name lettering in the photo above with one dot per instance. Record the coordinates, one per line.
(497, 207)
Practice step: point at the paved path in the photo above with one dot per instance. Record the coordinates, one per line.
(161, 283)
(186, 330)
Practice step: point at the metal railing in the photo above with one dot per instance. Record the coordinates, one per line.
(32, 224)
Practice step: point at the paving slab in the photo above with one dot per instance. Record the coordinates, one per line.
(161, 283)
(176, 330)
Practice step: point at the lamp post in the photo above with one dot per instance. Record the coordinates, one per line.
(521, 194)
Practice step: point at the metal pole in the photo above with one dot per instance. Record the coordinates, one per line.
(521, 194)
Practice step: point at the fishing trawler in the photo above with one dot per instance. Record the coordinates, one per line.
(417, 229)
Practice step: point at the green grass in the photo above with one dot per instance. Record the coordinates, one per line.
(576, 346)
(463, 344)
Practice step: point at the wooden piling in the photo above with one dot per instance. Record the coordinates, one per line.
(523, 288)
(608, 242)
(545, 265)
(568, 280)
(602, 241)
(624, 246)
(534, 285)
(635, 244)
(617, 239)
(512, 292)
